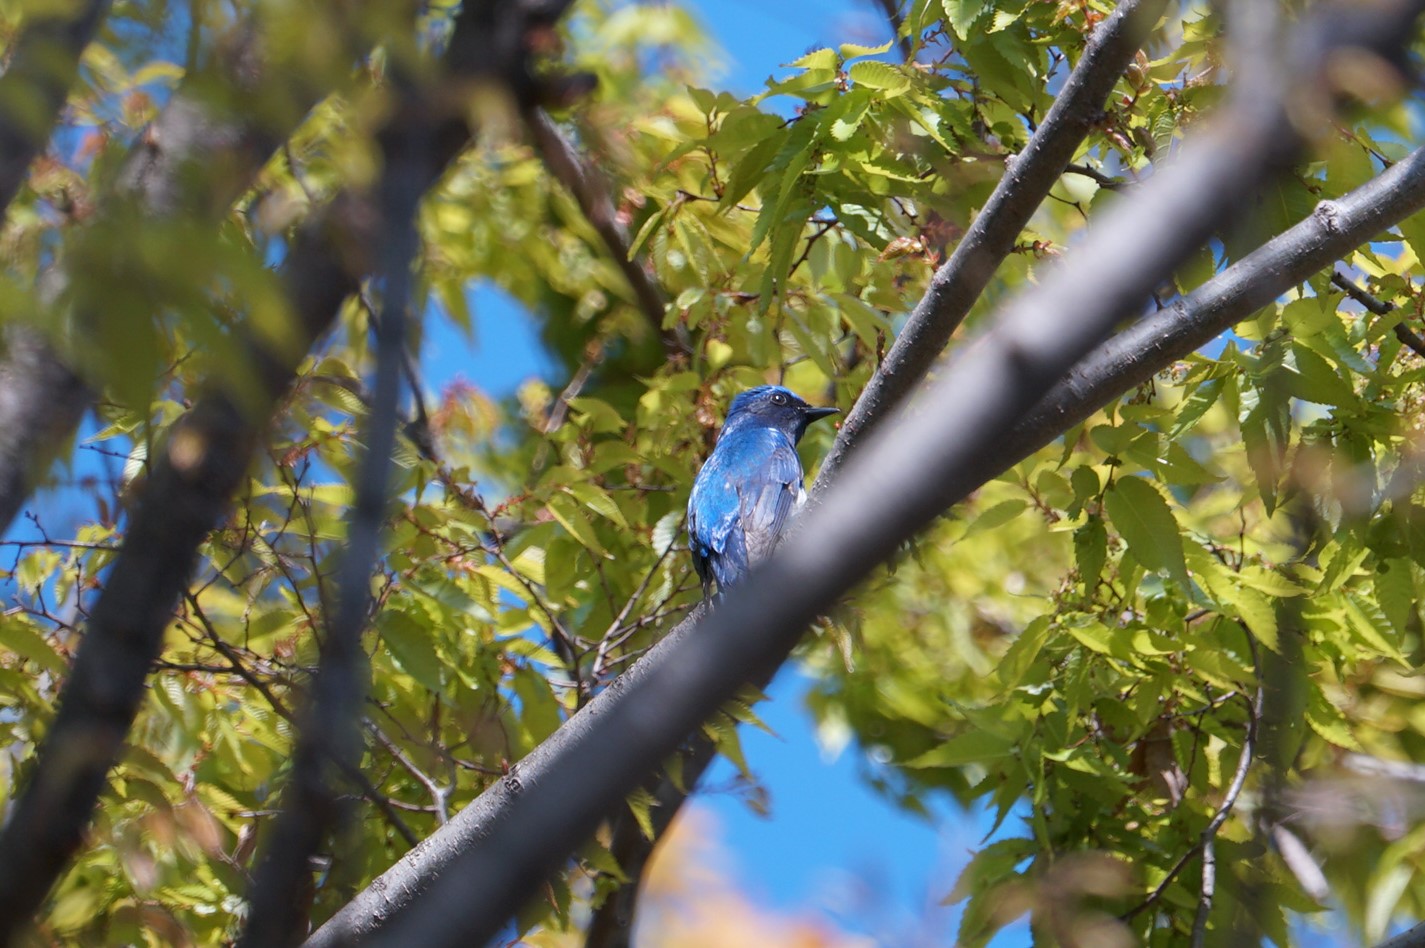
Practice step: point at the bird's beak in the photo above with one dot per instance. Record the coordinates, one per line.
(814, 413)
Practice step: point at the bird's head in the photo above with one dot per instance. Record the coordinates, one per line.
(772, 406)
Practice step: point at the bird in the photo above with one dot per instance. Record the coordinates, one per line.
(747, 490)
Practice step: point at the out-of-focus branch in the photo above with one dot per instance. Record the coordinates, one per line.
(192, 478)
(496, 852)
(194, 474)
(1027, 179)
(41, 403)
(892, 10)
(42, 398)
(330, 726)
(36, 84)
(591, 192)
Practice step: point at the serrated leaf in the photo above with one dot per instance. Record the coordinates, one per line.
(824, 58)
(1327, 720)
(852, 50)
(883, 77)
(1370, 625)
(1196, 405)
(1090, 551)
(845, 125)
(1142, 517)
(961, 15)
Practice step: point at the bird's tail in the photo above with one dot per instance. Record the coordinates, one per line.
(730, 566)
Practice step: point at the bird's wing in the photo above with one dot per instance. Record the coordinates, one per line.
(767, 501)
(741, 501)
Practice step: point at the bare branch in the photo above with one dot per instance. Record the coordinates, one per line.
(1027, 178)
(1408, 337)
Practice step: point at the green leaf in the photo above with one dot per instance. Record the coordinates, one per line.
(816, 59)
(409, 642)
(641, 804)
(961, 15)
(1142, 517)
(883, 77)
(599, 501)
(852, 50)
(21, 637)
(1090, 551)
(996, 516)
(970, 747)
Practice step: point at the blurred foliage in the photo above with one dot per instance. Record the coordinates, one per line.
(1079, 648)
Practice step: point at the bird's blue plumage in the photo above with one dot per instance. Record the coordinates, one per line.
(746, 492)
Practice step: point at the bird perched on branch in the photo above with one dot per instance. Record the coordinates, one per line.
(746, 492)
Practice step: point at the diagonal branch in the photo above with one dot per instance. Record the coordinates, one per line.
(1407, 336)
(591, 192)
(193, 475)
(496, 852)
(1027, 179)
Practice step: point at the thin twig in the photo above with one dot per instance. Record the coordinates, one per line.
(1408, 337)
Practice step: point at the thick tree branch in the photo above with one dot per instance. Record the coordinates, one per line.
(1412, 938)
(41, 403)
(36, 84)
(496, 852)
(1027, 179)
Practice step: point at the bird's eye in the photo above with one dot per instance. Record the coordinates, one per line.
(779, 399)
